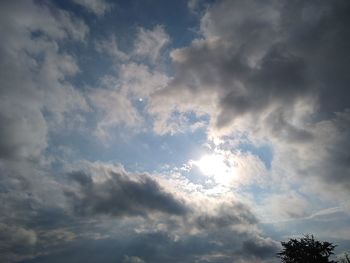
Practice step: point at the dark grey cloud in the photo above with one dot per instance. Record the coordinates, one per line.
(161, 246)
(259, 248)
(318, 32)
(226, 215)
(15, 241)
(243, 60)
(123, 194)
(29, 227)
(328, 155)
(108, 214)
(276, 70)
(268, 54)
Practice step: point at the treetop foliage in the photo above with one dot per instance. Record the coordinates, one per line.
(306, 250)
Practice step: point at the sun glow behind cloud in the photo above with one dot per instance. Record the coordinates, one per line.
(217, 166)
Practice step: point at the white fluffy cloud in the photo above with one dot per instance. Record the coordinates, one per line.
(33, 79)
(118, 97)
(110, 47)
(98, 7)
(116, 110)
(149, 43)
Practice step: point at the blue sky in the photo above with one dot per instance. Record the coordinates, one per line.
(172, 131)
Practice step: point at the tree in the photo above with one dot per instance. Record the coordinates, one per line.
(306, 250)
(345, 258)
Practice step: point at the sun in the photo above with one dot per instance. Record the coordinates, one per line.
(216, 166)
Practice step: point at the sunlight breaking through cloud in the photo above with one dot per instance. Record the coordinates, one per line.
(172, 131)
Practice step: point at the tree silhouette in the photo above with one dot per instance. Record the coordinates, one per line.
(306, 250)
(345, 258)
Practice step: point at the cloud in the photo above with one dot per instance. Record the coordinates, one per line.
(123, 96)
(140, 215)
(34, 75)
(285, 206)
(229, 72)
(36, 97)
(226, 215)
(119, 99)
(110, 47)
(28, 140)
(260, 248)
(150, 42)
(39, 19)
(140, 81)
(250, 62)
(122, 194)
(128, 259)
(20, 236)
(98, 7)
(115, 109)
(15, 238)
(324, 157)
(256, 70)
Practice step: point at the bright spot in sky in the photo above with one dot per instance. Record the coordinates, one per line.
(216, 166)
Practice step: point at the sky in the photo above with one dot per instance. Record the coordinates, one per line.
(187, 131)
